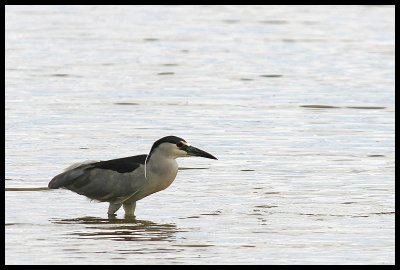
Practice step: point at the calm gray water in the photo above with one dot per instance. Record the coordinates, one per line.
(297, 102)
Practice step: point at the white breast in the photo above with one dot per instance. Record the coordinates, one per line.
(162, 174)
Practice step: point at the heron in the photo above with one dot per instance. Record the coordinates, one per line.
(124, 181)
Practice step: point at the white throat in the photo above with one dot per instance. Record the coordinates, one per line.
(160, 170)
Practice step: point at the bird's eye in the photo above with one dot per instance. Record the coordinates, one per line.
(179, 144)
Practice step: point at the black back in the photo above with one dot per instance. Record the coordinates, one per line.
(121, 165)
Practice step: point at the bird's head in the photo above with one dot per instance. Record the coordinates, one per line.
(174, 147)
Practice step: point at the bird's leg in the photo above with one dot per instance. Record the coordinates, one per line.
(129, 209)
(113, 208)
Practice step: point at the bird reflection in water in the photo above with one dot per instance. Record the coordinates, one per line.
(128, 229)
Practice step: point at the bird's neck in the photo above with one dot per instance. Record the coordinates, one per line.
(161, 170)
(161, 164)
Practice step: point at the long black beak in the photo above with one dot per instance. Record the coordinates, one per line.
(196, 152)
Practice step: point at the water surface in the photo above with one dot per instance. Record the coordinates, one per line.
(297, 103)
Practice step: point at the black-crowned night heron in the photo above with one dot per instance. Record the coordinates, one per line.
(124, 181)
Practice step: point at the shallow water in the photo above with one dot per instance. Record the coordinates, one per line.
(296, 102)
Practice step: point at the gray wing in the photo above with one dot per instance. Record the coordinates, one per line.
(105, 180)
